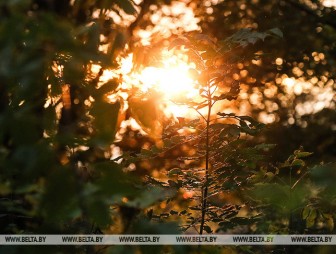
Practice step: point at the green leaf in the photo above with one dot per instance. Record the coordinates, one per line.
(175, 171)
(246, 36)
(154, 149)
(98, 211)
(112, 181)
(173, 184)
(231, 130)
(273, 193)
(126, 5)
(298, 162)
(306, 212)
(207, 229)
(302, 154)
(61, 198)
(145, 152)
(276, 31)
(310, 220)
(151, 196)
(265, 147)
(105, 121)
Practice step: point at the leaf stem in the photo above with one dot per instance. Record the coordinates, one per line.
(207, 147)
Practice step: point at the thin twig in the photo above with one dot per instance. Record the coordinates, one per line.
(205, 187)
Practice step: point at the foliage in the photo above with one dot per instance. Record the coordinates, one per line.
(294, 112)
(58, 127)
(222, 162)
(56, 124)
(294, 190)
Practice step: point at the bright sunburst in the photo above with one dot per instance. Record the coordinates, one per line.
(172, 79)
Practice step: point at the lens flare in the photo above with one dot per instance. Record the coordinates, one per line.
(171, 80)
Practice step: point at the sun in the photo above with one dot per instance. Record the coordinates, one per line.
(172, 82)
(172, 79)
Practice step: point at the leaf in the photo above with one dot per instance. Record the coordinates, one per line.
(305, 212)
(167, 143)
(177, 139)
(118, 43)
(155, 150)
(195, 208)
(243, 124)
(173, 184)
(194, 123)
(209, 54)
(269, 175)
(273, 193)
(276, 31)
(298, 162)
(329, 221)
(175, 171)
(151, 196)
(193, 73)
(324, 176)
(108, 87)
(98, 211)
(302, 154)
(105, 121)
(218, 126)
(243, 220)
(183, 212)
(180, 41)
(145, 152)
(195, 57)
(226, 115)
(246, 36)
(61, 189)
(207, 229)
(202, 106)
(310, 220)
(145, 111)
(112, 181)
(127, 6)
(231, 129)
(265, 147)
(249, 119)
(203, 37)
(252, 40)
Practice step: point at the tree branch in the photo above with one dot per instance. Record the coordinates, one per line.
(144, 7)
(320, 18)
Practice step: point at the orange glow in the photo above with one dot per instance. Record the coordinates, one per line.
(171, 80)
(188, 194)
(329, 3)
